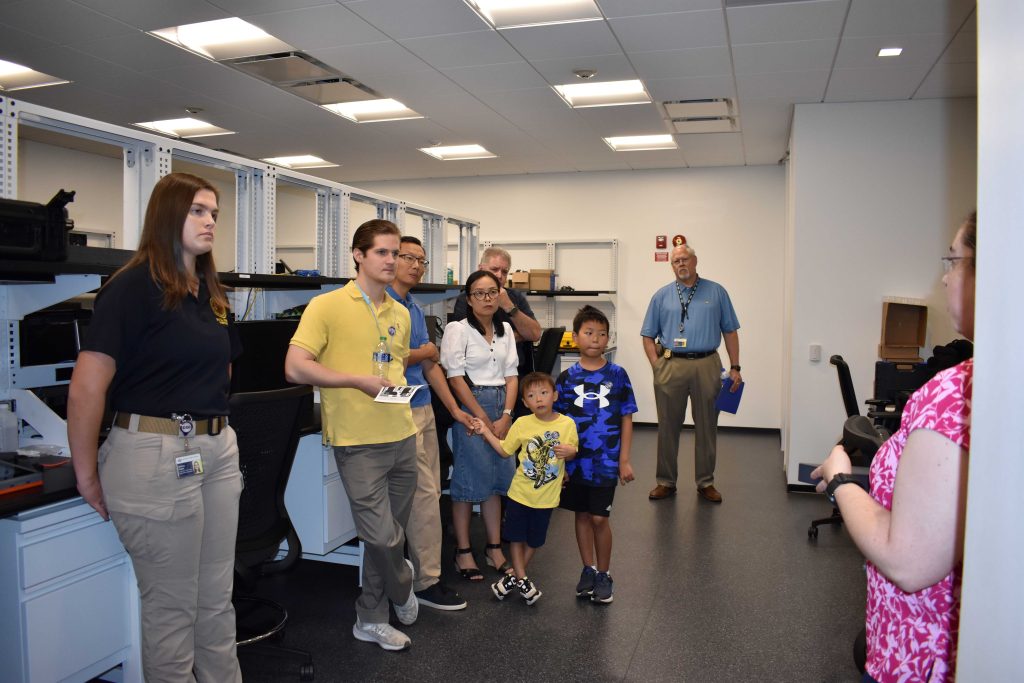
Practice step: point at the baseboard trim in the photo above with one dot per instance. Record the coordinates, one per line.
(722, 428)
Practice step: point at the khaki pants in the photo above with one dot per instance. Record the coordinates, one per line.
(424, 527)
(675, 381)
(380, 480)
(180, 535)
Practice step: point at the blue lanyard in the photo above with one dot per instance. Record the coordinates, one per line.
(387, 337)
(685, 305)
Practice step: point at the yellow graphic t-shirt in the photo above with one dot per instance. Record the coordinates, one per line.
(538, 479)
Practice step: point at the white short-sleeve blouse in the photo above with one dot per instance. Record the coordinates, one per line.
(465, 352)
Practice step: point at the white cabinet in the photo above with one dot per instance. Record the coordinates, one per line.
(68, 595)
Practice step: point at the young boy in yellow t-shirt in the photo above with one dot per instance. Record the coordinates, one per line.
(544, 441)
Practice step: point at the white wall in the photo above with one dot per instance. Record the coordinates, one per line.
(733, 217)
(877, 191)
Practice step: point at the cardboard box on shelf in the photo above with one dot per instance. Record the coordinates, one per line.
(519, 280)
(904, 324)
(542, 279)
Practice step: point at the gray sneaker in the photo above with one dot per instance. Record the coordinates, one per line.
(410, 609)
(586, 585)
(385, 635)
(602, 588)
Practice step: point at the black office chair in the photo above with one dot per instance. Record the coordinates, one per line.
(267, 424)
(545, 355)
(862, 435)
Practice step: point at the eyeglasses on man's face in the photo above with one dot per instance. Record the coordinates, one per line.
(410, 259)
(949, 261)
(484, 294)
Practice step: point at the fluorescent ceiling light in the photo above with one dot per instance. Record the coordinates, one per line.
(606, 94)
(300, 161)
(223, 39)
(369, 111)
(458, 152)
(520, 13)
(17, 77)
(636, 143)
(185, 128)
(890, 52)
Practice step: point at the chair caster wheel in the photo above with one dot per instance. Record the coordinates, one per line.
(306, 672)
(812, 533)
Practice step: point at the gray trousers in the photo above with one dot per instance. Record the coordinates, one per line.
(677, 380)
(424, 528)
(180, 535)
(380, 480)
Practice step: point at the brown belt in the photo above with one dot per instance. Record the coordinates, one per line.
(165, 425)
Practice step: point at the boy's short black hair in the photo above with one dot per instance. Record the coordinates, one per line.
(589, 314)
(535, 378)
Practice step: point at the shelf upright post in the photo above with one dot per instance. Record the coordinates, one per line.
(8, 150)
(145, 163)
(342, 251)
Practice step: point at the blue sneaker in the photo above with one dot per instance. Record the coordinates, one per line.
(602, 588)
(585, 587)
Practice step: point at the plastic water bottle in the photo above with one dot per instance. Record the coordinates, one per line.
(450, 275)
(8, 429)
(381, 359)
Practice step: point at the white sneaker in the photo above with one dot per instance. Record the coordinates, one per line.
(408, 611)
(385, 635)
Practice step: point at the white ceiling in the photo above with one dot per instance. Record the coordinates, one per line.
(478, 85)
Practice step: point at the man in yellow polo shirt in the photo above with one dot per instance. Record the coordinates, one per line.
(335, 348)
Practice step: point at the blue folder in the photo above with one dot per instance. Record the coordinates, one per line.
(727, 400)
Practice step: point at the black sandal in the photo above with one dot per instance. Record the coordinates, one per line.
(471, 574)
(505, 567)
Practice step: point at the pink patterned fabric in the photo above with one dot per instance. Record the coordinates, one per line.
(912, 636)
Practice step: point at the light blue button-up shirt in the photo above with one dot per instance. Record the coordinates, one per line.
(710, 314)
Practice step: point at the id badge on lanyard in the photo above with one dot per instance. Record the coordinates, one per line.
(190, 461)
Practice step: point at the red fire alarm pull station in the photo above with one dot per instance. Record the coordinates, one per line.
(678, 241)
(660, 241)
(661, 256)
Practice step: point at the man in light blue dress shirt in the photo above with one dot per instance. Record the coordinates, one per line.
(685, 323)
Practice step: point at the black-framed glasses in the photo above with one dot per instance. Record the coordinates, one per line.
(949, 261)
(484, 294)
(410, 259)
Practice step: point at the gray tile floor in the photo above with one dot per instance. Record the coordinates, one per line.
(703, 592)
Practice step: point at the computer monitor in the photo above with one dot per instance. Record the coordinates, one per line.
(264, 346)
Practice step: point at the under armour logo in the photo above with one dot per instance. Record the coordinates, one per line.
(592, 395)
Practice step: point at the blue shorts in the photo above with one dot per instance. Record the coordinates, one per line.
(525, 524)
(479, 472)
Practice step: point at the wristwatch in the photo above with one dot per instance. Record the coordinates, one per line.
(507, 411)
(512, 311)
(734, 367)
(837, 481)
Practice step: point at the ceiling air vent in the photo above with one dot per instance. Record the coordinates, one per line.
(701, 116)
(282, 68)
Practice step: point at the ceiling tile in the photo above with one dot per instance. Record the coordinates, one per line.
(886, 18)
(463, 49)
(244, 8)
(615, 67)
(636, 8)
(563, 41)
(639, 119)
(864, 85)
(365, 61)
(786, 22)
(766, 117)
(963, 48)
(855, 53)
(950, 80)
(649, 160)
(78, 24)
(491, 77)
(152, 15)
(318, 27)
(712, 149)
(801, 55)
(401, 19)
(139, 52)
(759, 151)
(669, 89)
(798, 86)
(674, 31)
(699, 62)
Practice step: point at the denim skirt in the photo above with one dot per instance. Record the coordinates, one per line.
(479, 472)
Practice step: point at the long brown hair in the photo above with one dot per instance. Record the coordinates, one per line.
(160, 244)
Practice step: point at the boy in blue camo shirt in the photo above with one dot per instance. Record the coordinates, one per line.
(598, 396)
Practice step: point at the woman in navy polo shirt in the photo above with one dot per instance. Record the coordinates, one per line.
(160, 341)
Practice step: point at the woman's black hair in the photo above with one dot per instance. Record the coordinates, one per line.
(499, 330)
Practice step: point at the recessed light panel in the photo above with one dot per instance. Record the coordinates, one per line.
(223, 39)
(300, 161)
(636, 143)
(606, 94)
(458, 152)
(17, 77)
(890, 52)
(370, 111)
(520, 13)
(185, 128)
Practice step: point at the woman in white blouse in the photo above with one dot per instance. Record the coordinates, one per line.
(481, 361)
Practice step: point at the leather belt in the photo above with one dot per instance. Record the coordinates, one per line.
(165, 425)
(691, 355)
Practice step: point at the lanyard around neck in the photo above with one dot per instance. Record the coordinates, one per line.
(685, 305)
(373, 312)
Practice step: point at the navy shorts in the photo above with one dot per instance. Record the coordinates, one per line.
(525, 524)
(596, 500)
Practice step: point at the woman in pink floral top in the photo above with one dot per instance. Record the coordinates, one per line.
(910, 526)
